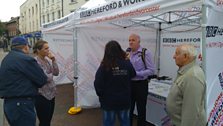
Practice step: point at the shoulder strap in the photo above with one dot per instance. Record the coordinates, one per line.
(143, 56)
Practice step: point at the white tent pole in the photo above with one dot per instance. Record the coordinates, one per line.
(158, 46)
(203, 42)
(75, 66)
(75, 109)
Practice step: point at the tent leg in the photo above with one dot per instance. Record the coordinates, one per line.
(158, 46)
(75, 109)
(203, 42)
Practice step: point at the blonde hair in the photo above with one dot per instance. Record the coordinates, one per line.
(38, 45)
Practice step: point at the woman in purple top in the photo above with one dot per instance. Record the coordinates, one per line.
(45, 101)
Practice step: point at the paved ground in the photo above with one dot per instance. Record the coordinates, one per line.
(64, 100)
(2, 54)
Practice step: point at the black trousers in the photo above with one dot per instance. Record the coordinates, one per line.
(139, 92)
(44, 110)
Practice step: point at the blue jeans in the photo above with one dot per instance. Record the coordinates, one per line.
(109, 117)
(20, 111)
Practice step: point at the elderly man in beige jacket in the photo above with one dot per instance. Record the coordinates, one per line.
(186, 99)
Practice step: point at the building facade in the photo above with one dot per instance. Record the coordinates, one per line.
(30, 17)
(50, 10)
(72, 5)
(34, 13)
(13, 27)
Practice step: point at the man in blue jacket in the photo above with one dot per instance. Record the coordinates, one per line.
(20, 78)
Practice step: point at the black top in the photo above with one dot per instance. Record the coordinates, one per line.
(113, 86)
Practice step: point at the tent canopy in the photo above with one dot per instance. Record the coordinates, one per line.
(132, 13)
(129, 13)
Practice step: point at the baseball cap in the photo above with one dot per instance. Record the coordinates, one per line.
(16, 41)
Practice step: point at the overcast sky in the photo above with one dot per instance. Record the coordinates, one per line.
(9, 8)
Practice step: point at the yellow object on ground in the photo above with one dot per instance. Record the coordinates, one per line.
(74, 110)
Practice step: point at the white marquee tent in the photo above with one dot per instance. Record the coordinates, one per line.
(78, 40)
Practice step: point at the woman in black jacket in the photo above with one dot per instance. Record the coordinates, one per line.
(112, 84)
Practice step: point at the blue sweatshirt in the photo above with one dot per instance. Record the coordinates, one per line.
(20, 75)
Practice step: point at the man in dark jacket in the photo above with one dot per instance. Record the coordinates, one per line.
(20, 78)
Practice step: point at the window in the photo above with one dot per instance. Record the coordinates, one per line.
(53, 16)
(43, 3)
(37, 24)
(73, 1)
(33, 27)
(48, 17)
(58, 14)
(32, 11)
(29, 13)
(48, 2)
(36, 9)
(24, 16)
(43, 19)
(30, 26)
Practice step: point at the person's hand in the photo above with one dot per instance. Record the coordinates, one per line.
(127, 57)
(51, 56)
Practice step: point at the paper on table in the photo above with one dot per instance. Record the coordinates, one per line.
(160, 88)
